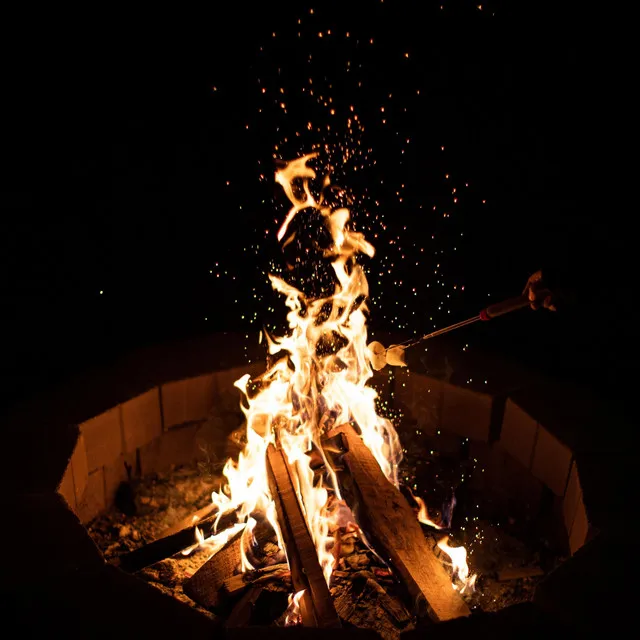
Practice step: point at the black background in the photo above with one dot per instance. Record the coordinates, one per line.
(118, 151)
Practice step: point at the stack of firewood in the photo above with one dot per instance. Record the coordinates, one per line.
(385, 561)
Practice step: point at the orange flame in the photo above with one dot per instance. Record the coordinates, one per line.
(292, 614)
(213, 543)
(307, 390)
(297, 386)
(423, 515)
(460, 568)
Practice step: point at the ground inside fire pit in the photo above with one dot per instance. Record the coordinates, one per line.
(365, 592)
(153, 504)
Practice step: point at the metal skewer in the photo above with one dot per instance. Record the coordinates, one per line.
(380, 355)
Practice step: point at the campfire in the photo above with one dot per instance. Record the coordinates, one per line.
(319, 468)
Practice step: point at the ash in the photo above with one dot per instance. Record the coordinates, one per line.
(155, 503)
(511, 544)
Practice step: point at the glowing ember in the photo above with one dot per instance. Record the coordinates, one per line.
(318, 380)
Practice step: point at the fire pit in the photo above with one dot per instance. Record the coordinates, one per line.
(174, 420)
(318, 469)
(511, 489)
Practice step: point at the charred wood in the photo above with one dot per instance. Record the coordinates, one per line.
(237, 583)
(517, 573)
(242, 612)
(391, 526)
(174, 543)
(204, 586)
(316, 607)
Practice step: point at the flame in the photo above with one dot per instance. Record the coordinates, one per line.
(292, 614)
(318, 380)
(460, 568)
(307, 390)
(215, 542)
(423, 515)
(285, 177)
(247, 534)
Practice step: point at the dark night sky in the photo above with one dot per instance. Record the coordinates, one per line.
(143, 168)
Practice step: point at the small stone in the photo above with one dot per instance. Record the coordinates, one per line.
(125, 531)
(135, 535)
(145, 500)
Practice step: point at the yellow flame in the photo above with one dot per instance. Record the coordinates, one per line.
(307, 390)
(292, 614)
(423, 515)
(247, 539)
(305, 393)
(460, 568)
(214, 543)
(286, 177)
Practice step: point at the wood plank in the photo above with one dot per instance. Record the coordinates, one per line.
(316, 606)
(208, 584)
(518, 573)
(204, 585)
(363, 603)
(241, 581)
(174, 543)
(391, 526)
(394, 608)
(242, 612)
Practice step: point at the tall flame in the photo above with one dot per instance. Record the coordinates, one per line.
(319, 379)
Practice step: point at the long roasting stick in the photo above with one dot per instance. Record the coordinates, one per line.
(394, 355)
(492, 311)
(316, 605)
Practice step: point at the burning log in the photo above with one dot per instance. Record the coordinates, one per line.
(387, 519)
(362, 602)
(177, 540)
(208, 585)
(235, 584)
(316, 607)
(241, 614)
(204, 585)
(391, 606)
